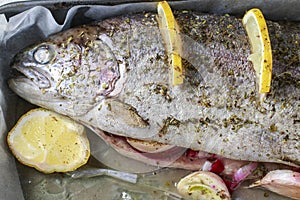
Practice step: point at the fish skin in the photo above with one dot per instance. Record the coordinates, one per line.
(216, 110)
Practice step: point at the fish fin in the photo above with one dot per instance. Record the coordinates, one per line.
(114, 116)
(123, 112)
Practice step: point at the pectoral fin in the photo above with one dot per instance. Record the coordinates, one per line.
(116, 117)
(122, 112)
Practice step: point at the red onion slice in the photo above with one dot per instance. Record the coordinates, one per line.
(217, 167)
(242, 173)
(206, 166)
(167, 157)
(148, 146)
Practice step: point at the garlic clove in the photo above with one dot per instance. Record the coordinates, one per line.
(203, 185)
(283, 182)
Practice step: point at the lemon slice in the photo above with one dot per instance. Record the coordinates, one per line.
(261, 56)
(170, 33)
(49, 142)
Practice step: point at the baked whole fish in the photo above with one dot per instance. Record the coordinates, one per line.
(114, 76)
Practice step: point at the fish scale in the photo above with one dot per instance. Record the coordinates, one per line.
(217, 112)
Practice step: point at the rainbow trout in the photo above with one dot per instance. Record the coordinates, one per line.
(113, 76)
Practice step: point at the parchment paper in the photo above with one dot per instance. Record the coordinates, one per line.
(37, 23)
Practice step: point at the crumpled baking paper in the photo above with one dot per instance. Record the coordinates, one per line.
(37, 23)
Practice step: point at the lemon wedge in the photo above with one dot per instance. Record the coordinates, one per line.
(261, 56)
(49, 142)
(170, 33)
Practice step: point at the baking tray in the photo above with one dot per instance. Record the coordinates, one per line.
(21, 182)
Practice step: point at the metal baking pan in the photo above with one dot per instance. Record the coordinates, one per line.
(21, 182)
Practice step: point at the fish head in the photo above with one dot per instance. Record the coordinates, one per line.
(69, 72)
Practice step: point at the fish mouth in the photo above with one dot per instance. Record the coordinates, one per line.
(29, 90)
(24, 87)
(20, 82)
(33, 74)
(28, 82)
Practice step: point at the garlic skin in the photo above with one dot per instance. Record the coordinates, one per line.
(283, 182)
(203, 185)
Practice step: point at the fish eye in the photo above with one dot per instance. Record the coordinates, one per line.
(43, 54)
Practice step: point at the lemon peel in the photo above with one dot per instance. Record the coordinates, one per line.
(49, 142)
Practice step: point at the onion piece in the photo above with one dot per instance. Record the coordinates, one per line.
(203, 185)
(242, 173)
(217, 167)
(148, 146)
(206, 166)
(284, 182)
(169, 155)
